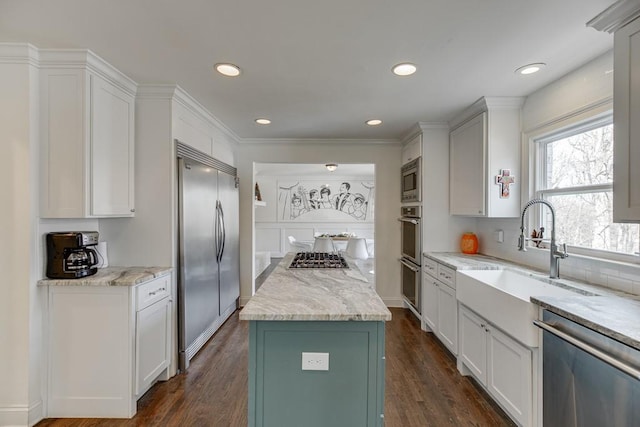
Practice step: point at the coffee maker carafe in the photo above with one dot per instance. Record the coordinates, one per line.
(71, 254)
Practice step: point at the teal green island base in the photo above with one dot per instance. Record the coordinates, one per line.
(349, 394)
(334, 312)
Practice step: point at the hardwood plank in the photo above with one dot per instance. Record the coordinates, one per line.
(423, 387)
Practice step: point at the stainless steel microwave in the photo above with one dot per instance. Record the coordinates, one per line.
(411, 181)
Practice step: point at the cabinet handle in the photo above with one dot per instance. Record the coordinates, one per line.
(133, 210)
(156, 291)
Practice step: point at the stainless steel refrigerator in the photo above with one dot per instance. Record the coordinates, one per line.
(209, 272)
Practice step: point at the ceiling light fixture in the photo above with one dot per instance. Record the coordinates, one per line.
(404, 69)
(228, 70)
(331, 167)
(263, 121)
(530, 68)
(374, 122)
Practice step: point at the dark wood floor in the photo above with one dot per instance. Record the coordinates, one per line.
(423, 387)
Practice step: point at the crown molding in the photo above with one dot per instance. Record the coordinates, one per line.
(616, 16)
(86, 59)
(19, 53)
(156, 91)
(300, 141)
(484, 104)
(420, 127)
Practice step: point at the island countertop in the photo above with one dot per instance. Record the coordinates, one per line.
(112, 276)
(315, 294)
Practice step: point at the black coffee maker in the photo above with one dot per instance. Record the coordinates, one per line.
(70, 254)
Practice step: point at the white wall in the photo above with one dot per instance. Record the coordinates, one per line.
(589, 88)
(271, 234)
(20, 310)
(385, 156)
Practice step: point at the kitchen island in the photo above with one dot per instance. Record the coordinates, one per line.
(316, 348)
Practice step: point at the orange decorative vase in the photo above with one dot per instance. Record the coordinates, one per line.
(469, 243)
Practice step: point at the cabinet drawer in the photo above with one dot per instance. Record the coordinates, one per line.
(430, 267)
(447, 275)
(154, 290)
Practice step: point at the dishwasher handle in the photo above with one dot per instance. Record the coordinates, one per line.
(621, 366)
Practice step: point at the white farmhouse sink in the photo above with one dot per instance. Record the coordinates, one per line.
(502, 297)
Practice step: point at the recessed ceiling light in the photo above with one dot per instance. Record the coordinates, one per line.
(530, 68)
(331, 167)
(229, 70)
(374, 122)
(263, 121)
(404, 69)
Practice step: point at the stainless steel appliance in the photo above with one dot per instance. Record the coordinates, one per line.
(410, 261)
(209, 269)
(411, 178)
(71, 254)
(318, 260)
(589, 379)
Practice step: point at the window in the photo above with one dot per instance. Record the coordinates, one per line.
(575, 168)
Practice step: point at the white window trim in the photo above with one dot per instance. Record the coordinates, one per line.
(534, 170)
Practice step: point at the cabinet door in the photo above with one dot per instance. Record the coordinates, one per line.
(467, 167)
(473, 343)
(430, 301)
(509, 375)
(448, 317)
(112, 150)
(412, 150)
(626, 107)
(153, 352)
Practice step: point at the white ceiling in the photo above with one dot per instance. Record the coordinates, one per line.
(319, 69)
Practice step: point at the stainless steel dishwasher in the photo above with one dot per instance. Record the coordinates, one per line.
(588, 379)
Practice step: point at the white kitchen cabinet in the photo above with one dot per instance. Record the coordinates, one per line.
(499, 363)
(153, 333)
(626, 110)
(87, 133)
(439, 304)
(106, 346)
(484, 142)
(622, 17)
(412, 149)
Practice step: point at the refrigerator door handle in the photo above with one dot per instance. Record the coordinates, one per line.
(217, 231)
(223, 232)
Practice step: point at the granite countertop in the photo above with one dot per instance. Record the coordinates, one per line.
(112, 276)
(315, 294)
(611, 313)
(615, 317)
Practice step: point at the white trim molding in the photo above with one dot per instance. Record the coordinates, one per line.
(21, 415)
(616, 16)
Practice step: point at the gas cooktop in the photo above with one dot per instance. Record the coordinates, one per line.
(318, 260)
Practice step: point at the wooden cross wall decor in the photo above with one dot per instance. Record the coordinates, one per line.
(504, 179)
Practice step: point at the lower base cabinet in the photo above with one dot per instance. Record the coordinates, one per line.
(500, 364)
(107, 345)
(349, 393)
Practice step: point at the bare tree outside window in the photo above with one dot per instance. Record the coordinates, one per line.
(578, 181)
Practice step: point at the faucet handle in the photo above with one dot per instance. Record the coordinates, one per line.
(563, 253)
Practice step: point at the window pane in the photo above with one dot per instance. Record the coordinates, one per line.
(582, 159)
(586, 220)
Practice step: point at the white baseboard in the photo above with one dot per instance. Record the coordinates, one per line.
(14, 416)
(242, 301)
(394, 302)
(36, 413)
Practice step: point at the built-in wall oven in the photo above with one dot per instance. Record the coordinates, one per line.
(411, 178)
(411, 256)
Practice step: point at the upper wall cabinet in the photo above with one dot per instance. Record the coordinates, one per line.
(484, 155)
(87, 133)
(412, 149)
(622, 18)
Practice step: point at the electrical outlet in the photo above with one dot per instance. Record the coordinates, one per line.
(499, 236)
(315, 361)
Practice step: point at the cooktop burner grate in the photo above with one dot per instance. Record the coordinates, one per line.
(318, 260)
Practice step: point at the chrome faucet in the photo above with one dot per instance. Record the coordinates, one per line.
(554, 253)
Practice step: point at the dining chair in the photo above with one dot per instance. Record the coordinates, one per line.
(357, 248)
(324, 244)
